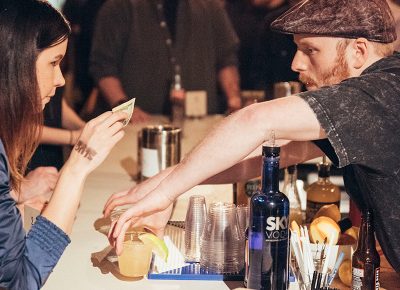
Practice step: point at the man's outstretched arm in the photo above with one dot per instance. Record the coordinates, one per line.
(240, 134)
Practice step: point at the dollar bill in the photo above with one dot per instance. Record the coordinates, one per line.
(127, 108)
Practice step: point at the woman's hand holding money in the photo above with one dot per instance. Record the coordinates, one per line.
(97, 139)
(133, 117)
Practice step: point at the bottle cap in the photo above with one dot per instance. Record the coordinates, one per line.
(271, 151)
(324, 169)
(345, 224)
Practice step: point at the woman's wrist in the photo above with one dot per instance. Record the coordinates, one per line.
(74, 166)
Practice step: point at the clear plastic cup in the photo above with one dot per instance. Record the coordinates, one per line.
(194, 223)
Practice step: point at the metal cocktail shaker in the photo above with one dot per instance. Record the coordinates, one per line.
(159, 148)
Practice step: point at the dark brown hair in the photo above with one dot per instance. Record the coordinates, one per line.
(26, 28)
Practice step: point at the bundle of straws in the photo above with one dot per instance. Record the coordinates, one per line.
(313, 270)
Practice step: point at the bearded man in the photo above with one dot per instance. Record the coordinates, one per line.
(351, 113)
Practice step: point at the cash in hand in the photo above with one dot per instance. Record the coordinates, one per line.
(127, 108)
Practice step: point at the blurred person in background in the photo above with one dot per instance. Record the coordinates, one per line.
(138, 44)
(265, 56)
(83, 44)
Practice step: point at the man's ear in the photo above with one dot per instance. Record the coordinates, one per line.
(359, 52)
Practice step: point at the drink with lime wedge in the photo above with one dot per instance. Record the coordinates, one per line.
(138, 247)
(136, 256)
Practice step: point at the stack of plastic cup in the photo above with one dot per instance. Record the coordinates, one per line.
(222, 244)
(194, 224)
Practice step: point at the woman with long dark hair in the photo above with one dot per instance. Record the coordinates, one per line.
(33, 42)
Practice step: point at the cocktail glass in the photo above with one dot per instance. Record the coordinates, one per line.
(136, 256)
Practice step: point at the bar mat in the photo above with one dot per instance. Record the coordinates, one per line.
(195, 272)
(175, 231)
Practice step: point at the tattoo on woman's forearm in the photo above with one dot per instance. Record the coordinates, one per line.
(84, 150)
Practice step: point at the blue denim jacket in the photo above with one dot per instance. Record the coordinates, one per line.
(25, 261)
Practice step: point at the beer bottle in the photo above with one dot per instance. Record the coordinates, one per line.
(366, 260)
(268, 244)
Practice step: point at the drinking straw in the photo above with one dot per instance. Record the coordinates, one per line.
(310, 261)
(328, 254)
(295, 244)
(335, 268)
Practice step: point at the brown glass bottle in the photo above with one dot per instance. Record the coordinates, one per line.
(366, 260)
(321, 192)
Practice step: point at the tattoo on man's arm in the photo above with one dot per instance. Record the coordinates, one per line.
(84, 150)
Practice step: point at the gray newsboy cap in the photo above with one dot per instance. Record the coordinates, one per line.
(370, 19)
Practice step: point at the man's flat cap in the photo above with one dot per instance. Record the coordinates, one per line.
(370, 19)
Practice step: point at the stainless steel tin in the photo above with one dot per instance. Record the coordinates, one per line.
(159, 148)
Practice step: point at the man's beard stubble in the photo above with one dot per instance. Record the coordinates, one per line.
(331, 76)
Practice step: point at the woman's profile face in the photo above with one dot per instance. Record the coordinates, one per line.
(48, 70)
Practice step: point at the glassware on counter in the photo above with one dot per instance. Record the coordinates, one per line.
(194, 223)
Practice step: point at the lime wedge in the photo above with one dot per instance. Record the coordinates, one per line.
(158, 245)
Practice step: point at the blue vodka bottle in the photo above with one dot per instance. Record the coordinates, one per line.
(268, 244)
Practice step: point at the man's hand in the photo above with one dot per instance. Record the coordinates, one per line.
(229, 81)
(151, 212)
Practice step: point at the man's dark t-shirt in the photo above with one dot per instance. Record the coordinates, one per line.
(361, 117)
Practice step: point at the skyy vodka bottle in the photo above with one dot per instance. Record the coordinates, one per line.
(268, 245)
